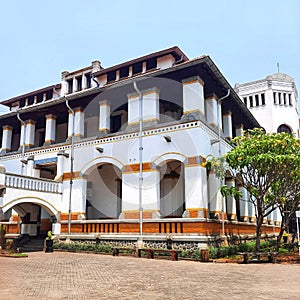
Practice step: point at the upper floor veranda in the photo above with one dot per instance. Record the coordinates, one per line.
(103, 102)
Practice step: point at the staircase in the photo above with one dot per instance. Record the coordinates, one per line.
(35, 244)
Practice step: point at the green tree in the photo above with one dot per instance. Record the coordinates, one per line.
(266, 165)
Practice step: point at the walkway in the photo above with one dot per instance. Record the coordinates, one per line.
(90, 276)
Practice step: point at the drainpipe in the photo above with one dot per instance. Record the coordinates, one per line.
(93, 78)
(178, 61)
(71, 166)
(219, 139)
(23, 143)
(140, 156)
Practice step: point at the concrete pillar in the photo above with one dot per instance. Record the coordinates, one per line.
(60, 169)
(251, 210)
(44, 97)
(196, 200)
(30, 166)
(117, 75)
(239, 130)
(231, 202)
(227, 127)
(144, 69)
(22, 135)
(104, 116)
(6, 138)
(50, 129)
(130, 71)
(64, 83)
(193, 97)
(78, 203)
(215, 199)
(75, 86)
(270, 218)
(277, 217)
(211, 105)
(150, 193)
(79, 122)
(150, 106)
(84, 82)
(244, 205)
(30, 133)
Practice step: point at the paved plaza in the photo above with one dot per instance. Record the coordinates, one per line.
(92, 276)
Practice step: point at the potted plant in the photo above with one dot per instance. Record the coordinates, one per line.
(49, 242)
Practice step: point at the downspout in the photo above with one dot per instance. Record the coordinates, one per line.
(71, 166)
(140, 156)
(93, 78)
(23, 143)
(219, 139)
(178, 61)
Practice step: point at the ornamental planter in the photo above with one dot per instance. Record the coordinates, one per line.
(49, 246)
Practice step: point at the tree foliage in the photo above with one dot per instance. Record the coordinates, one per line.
(268, 166)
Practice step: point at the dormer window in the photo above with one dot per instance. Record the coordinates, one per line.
(111, 76)
(70, 86)
(124, 72)
(88, 80)
(79, 83)
(151, 64)
(137, 68)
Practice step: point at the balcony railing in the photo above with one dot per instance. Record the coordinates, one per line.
(30, 183)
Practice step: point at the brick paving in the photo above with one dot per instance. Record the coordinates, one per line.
(90, 276)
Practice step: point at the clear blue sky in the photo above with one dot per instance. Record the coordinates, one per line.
(246, 39)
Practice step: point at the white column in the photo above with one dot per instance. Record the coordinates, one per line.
(75, 87)
(144, 67)
(150, 106)
(104, 116)
(214, 196)
(150, 193)
(277, 217)
(6, 138)
(64, 83)
(30, 133)
(50, 129)
(130, 71)
(193, 96)
(270, 218)
(196, 200)
(239, 130)
(231, 203)
(79, 122)
(30, 166)
(44, 96)
(251, 211)
(22, 135)
(84, 82)
(117, 75)
(227, 127)
(60, 169)
(70, 124)
(244, 204)
(211, 104)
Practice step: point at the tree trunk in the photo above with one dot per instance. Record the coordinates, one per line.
(259, 222)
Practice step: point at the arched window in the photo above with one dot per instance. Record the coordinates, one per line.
(284, 128)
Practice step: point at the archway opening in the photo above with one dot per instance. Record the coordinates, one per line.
(172, 193)
(104, 192)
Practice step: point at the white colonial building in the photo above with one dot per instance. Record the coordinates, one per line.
(273, 101)
(72, 153)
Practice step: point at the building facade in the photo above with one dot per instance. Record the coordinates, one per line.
(122, 150)
(273, 101)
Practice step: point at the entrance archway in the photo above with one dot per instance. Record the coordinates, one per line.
(172, 193)
(104, 191)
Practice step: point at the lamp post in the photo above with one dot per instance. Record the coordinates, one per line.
(140, 157)
(71, 166)
(219, 153)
